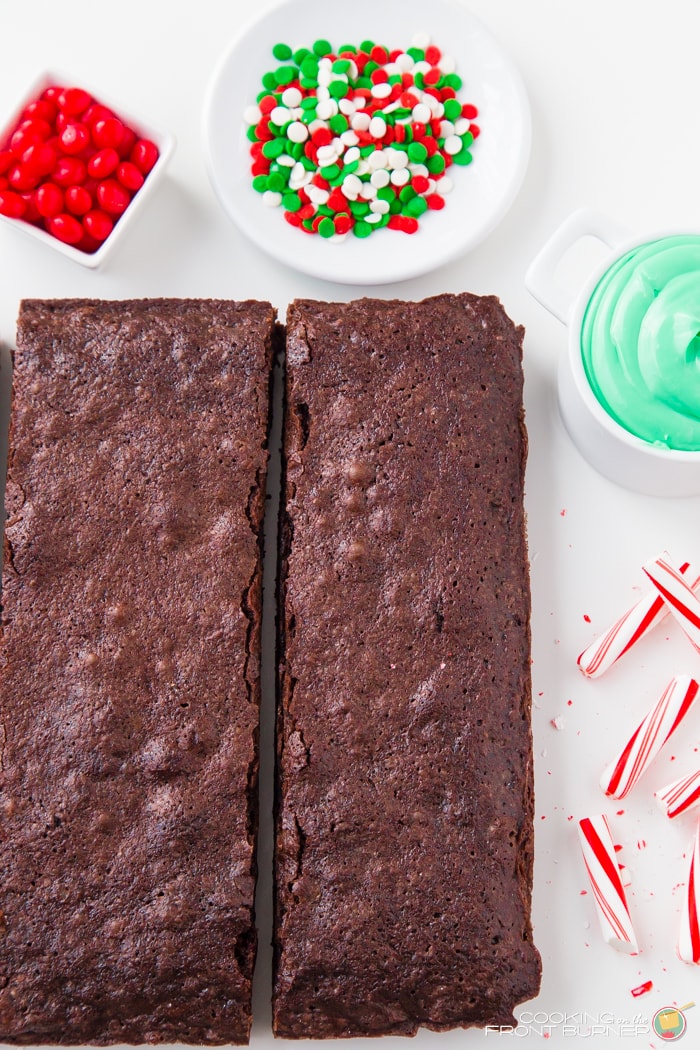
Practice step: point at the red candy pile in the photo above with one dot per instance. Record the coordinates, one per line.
(71, 167)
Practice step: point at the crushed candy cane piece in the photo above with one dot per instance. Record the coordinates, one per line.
(682, 601)
(650, 736)
(649, 611)
(642, 989)
(608, 891)
(689, 935)
(680, 796)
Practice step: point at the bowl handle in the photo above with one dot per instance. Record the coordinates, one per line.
(540, 278)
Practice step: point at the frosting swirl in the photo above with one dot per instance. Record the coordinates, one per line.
(640, 342)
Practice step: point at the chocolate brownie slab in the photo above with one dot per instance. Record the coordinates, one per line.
(129, 677)
(405, 793)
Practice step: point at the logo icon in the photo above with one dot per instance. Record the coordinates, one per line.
(670, 1023)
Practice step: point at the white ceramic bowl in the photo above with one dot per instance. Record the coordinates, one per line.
(612, 450)
(483, 191)
(163, 140)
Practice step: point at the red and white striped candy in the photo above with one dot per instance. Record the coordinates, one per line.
(608, 891)
(650, 736)
(689, 936)
(680, 796)
(649, 611)
(681, 600)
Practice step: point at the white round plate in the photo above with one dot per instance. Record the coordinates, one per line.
(483, 191)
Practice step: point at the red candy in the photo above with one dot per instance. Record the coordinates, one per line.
(72, 167)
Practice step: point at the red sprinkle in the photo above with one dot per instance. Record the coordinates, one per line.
(404, 223)
(642, 989)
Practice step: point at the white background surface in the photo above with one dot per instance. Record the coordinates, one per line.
(613, 86)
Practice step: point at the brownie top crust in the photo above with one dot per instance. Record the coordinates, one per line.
(129, 670)
(404, 826)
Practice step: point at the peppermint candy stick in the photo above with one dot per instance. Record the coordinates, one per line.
(649, 611)
(608, 891)
(680, 796)
(679, 597)
(650, 736)
(689, 936)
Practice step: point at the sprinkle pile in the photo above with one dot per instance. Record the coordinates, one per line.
(358, 138)
(72, 167)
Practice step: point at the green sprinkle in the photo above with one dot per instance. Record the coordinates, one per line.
(260, 183)
(276, 182)
(367, 45)
(416, 53)
(419, 80)
(330, 172)
(308, 83)
(323, 209)
(282, 52)
(285, 74)
(370, 67)
(417, 153)
(338, 88)
(296, 150)
(309, 103)
(309, 67)
(364, 82)
(307, 163)
(291, 202)
(274, 148)
(308, 224)
(339, 124)
(416, 207)
(436, 164)
(467, 139)
(452, 80)
(395, 207)
(269, 81)
(366, 151)
(395, 78)
(326, 227)
(453, 109)
(407, 193)
(362, 229)
(251, 134)
(347, 47)
(322, 47)
(464, 157)
(301, 54)
(341, 65)
(359, 208)
(351, 167)
(386, 193)
(309, 115)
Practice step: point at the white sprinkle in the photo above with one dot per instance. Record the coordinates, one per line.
(392, 106)
(380, 178)
(453, 145)
(327, 155)
(252, 114)
(347, 106)
(297, 171)
(280, 115)
(297, 181)
(297, 132)
(400, 177)
(315, 125)
(351, 155)
(462, 126)
(297, 113)
(378, 159)
(397, 158)
(377, 127)
(392, 70)
(361, 121)
(349, 138)
(325, 63)
(432, 185)
(286, 161)
(445, 184)
(372, 217)
(316, 194)
(324, 77)
(436, 107)
(380, 207)
(292, 97)
(368, 191)
(447, 64)
(447, 128)
(326, 110)
(272, 199)
(405, 63)
(421, 67)
(352, 184)
(353, 71)
(381, 90)
(418, 169)
(337, 237)
(421, 40)
(421, 113)
(322, 93)
(363, 167)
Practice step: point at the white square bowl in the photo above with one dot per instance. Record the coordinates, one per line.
(163, 140)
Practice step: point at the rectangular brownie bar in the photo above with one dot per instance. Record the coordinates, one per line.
(129, 671)
(404, 837)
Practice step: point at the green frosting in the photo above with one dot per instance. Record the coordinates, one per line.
(640, 341)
